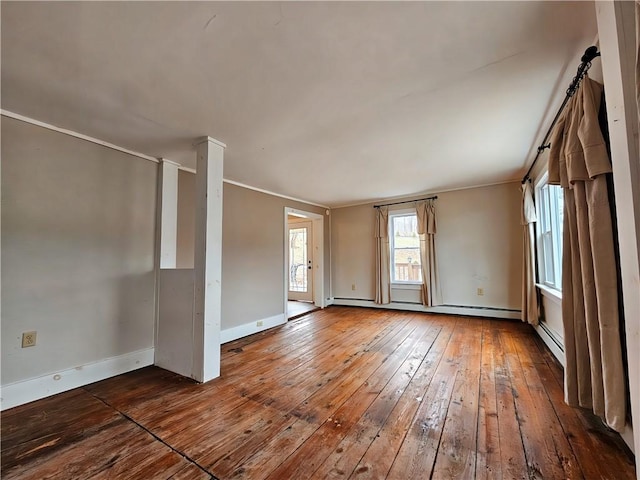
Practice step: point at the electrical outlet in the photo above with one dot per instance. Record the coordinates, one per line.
(28, 339)
(353, 286)
(259, 323)
(480, 292)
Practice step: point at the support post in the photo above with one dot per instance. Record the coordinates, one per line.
(208, 260)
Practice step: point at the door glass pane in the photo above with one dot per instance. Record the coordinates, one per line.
(298, 260)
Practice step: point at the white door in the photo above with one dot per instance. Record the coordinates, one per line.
(300, 271)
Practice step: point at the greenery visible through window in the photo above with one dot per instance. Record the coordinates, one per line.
(404, 248)
(550, 203)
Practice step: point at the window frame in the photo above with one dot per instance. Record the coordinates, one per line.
(402, 284)
(548, 235)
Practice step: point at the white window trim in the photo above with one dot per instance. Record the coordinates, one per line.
(551, 293)
(395, 284)
(406, 285)
(543, 179)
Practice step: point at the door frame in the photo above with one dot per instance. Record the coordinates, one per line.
(318, 255)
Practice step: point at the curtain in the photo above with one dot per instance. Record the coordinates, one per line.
(426, 212)
(578, 161)
(383, 288)
(530, 308)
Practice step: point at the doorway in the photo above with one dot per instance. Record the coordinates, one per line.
(304, 262)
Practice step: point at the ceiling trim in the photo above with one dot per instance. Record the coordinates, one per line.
(71, 133)
(422, 194)
(269, 192)
(256, 189)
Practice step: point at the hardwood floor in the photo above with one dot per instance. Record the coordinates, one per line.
(340, 393)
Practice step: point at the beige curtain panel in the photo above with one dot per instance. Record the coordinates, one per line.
(578, 161)
(530, 306)
(383, 288)
(426, 211)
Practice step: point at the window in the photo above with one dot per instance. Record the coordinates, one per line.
(404, 246)
(550, 202)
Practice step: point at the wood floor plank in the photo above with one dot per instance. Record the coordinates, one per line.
(322, 403)
(342, 462)
(513, 462)
(417, 454)
(457, 452)
(320, 326)
(236, 426)
(543, 460)
(312, 454)
(488, 459)
(340, 393)
(539, 394)
(234, 454)
(31, 432)
(177, 413)
(573, 423)
(191, 472)
(379, 457)
(260, 465)
(116, 450)
(197, 411)
(313, 375)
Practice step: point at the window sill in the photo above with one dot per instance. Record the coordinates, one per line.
(551, 293)
(406, 286)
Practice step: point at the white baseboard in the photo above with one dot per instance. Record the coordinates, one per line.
(26, 391)
(448, 309)
(551, 341)
(230, 334)
(329, 302)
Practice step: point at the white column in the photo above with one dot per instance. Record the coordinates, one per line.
(616, 31)
(168, 206)
(208, 260)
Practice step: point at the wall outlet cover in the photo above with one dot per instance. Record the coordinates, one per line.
(29, 339)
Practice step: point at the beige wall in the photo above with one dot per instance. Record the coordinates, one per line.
(478, 244)
(252, 251)
(353, 252)
(78, 225)
(253, 254)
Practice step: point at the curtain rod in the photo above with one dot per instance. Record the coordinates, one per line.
(589, 54)
(406, 201)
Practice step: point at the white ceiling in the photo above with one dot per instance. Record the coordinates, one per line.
(331, 102)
